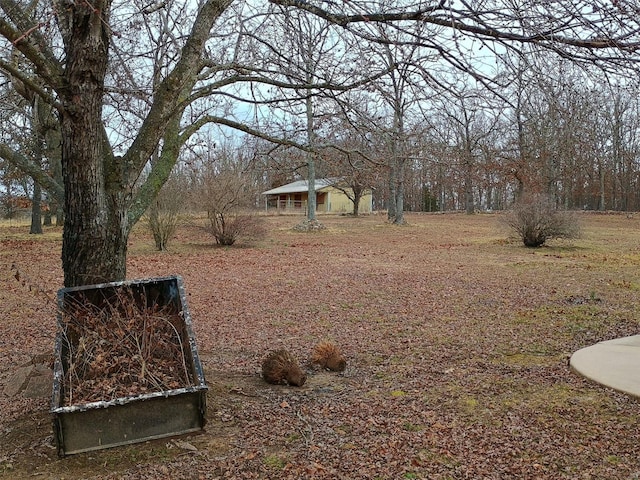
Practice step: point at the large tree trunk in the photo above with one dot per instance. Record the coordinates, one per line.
(311, 165)
(399, 218)
(47, 219)
(311, 197)
(391, 204)
(357, 195)
(95, 234)
(37, 153)
(36, 210)
(601, 187)
(395, 212)
(94, 245)
(469, 204)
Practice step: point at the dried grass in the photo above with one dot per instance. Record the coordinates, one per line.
(121, 348)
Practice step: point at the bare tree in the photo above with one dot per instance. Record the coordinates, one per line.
(309, 47)
(353, 159)
(397, 94)
(315, 68)
(563, 135)
(468, 120)
(620, 115)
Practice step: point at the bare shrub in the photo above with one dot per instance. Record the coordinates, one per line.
(164, 212)
(162, 224)
(228, 200)
(536, 219)
(227, 227)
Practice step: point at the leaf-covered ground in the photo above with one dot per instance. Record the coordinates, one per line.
(457, 340)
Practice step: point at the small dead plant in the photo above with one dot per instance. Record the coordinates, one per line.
(121, 347)
(164, 212)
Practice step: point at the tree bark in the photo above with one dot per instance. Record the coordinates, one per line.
(36, 210)
(357, 195)
(94, 241)
(391, 204)
(469, 203)
(48, 219)
(311, 162)
(399, 218)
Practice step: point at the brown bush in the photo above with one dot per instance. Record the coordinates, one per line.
(164, 212)
(228, 197)
(226, 228)
(536, 219)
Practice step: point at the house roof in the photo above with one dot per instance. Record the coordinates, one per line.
(300, 186)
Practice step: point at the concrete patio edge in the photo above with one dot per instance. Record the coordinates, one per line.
(614, 364)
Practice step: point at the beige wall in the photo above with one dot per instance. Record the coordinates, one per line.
(340, 203)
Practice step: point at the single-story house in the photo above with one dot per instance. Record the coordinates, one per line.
(293, 198)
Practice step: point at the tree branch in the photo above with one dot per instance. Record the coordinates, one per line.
(30, 84)
(27, 38)
(460, 23)
(173, 92)
(33, 170)
(242, 128)
(344, 20)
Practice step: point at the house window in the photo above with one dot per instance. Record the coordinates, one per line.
(297, 200)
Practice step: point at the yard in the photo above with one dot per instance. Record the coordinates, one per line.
(457, 340)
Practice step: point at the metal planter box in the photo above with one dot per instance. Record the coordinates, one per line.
(136, 418)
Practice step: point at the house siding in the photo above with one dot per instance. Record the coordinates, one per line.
(340, 203)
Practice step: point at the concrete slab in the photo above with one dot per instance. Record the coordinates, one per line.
(614, 364)
(39, 386)
(31, 380)
(18, 381)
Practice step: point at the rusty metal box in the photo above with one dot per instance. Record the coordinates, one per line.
(136, 418)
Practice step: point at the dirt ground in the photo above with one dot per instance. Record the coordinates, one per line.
(456, 337)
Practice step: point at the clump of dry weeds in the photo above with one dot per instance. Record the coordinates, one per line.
(121, 348)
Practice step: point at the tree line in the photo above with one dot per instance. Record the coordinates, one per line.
(569, 138)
